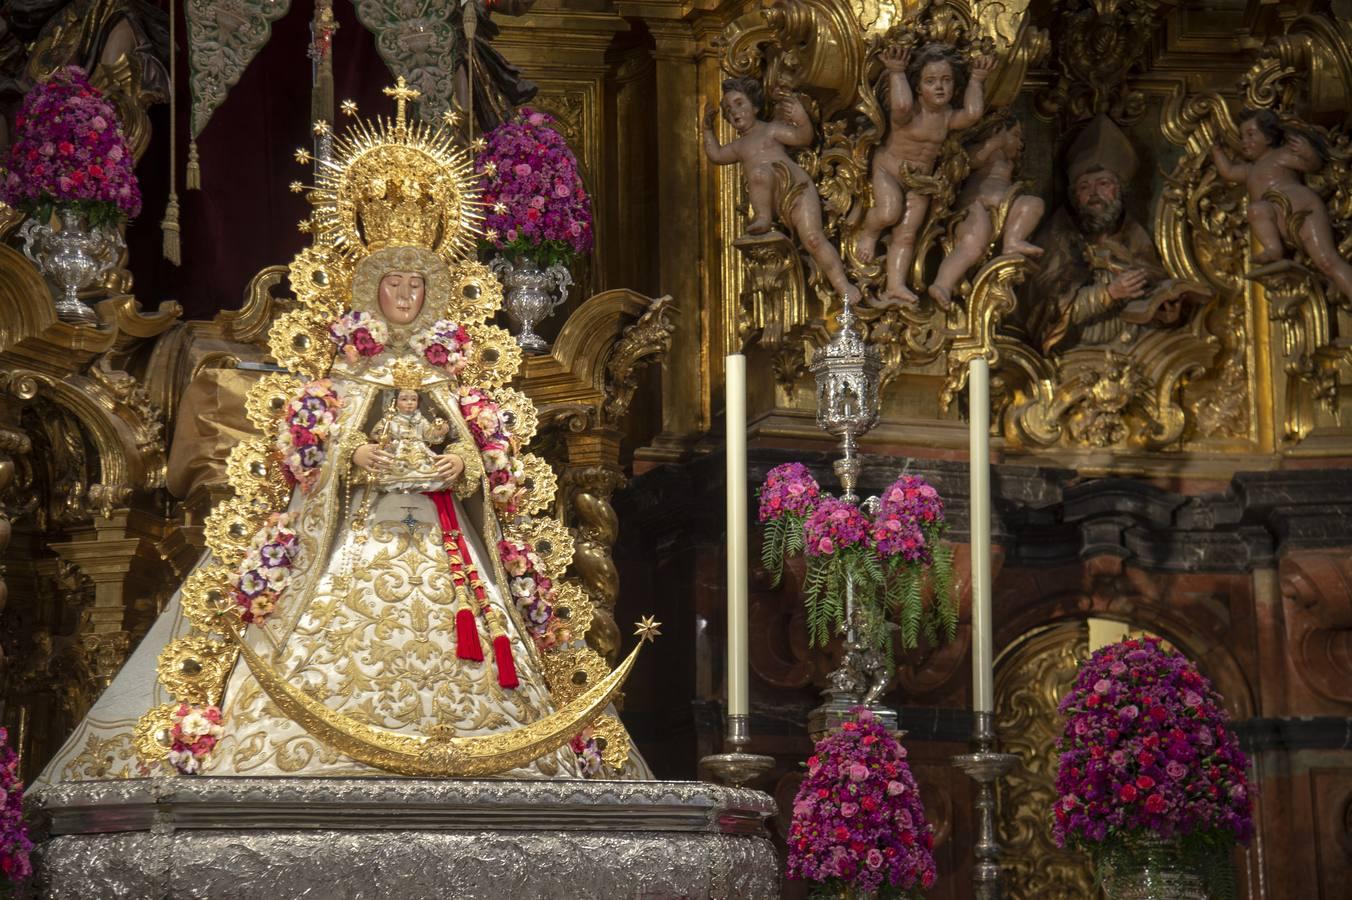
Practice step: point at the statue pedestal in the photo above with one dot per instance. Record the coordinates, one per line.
(245, 838)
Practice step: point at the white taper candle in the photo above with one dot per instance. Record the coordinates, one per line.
(983, 637)
(735, 406)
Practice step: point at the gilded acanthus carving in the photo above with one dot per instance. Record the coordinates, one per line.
(1030, 682)
(1097, 43)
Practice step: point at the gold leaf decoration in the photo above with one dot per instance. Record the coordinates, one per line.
(476, 293)
(206, 597)
(573, 605)
(193, 669)
(151, 736)
(494, 356)
(541, 484)
(231, 527)
(300, 342)
(254, 472)
(572, 671)
(612, 740)
(266, 401)
(551, 540)
(518, 413)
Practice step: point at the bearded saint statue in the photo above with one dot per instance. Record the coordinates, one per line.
(1101, 282)
(378, 595)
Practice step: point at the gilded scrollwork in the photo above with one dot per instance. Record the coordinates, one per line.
(1030, 682)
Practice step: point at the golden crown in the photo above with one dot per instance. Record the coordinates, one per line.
(406, 375)
(392, 183)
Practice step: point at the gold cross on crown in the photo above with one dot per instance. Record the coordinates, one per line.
(401, 93)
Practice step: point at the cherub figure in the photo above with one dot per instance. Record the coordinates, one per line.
(772, 177)
(404, 439)
(903, 167)
(994, 148)
(1280, 203)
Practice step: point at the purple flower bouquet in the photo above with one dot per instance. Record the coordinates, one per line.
(786, 500)
(14, 843)
(69, 153)
(1148, 753)
(893, 560)
(538, 208)
(858, 826)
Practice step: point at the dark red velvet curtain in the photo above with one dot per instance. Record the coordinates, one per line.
(244, 218)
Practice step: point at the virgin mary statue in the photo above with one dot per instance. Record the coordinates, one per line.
(381, 593)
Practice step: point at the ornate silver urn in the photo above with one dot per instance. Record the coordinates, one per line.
(532, 295)
(847, 370)
(73, 256)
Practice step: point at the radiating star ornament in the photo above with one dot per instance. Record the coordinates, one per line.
(499, 207)
(490, 169)
(451, 117)
(647, 629)
(349, 107)
(297, 187)
(478, 144)
(491, 235)
(320, 127)
(303, 156)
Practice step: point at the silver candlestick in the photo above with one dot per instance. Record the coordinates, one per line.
(986, 767)
(737, 767)
(847, 369)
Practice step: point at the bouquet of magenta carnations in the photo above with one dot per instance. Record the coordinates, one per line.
(1148, 752)
(69, 152)
(538, 207)
(907, 533)
(786, 500)
(891, 560)
(14, 843)
(859, 827)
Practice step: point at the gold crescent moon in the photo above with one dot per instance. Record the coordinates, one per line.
(436, 757)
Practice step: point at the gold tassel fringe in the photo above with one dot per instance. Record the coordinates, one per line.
(194, 177)
(172, 249)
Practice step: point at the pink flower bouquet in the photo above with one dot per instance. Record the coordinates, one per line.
(786, 500)
(538, 208)
(858, 826)
(1148, 751)
(14, 843)
(893, 559)
(69, 152)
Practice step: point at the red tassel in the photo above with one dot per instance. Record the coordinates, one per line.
(467, 644)
(502, 652)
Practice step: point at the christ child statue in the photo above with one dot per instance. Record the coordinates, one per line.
(994, 149)
(405, 437)
(771, 174)
(1277, 158)
(903, 167)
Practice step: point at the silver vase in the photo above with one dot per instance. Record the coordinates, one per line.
(73, 256)
(532, 295)
(1150, 868)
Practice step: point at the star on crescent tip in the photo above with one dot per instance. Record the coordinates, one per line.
(647, 628)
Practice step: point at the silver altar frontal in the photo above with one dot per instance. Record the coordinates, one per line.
(408, 838)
